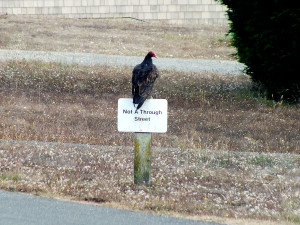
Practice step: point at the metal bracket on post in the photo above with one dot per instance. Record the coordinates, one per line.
(142, 158)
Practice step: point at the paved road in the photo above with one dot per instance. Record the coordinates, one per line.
(25, 209)
(191, 65)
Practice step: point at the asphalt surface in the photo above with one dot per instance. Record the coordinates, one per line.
(184, 65)
(25, 209)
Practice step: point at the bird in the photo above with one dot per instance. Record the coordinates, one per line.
(143, 78)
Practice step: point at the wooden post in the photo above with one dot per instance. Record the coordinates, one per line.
(142, 158)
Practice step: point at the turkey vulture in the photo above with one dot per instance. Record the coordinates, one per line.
(143, 77)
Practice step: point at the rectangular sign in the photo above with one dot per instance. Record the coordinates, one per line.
(152, 117)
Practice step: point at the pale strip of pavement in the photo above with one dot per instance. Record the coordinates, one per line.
(89, 59)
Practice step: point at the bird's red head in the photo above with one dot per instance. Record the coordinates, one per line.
(152, 54)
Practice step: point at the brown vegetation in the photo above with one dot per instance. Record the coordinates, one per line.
(75, 104)
(115, 37)
(49, 102)
(68, 103)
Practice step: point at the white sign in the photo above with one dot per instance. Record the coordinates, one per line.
(152, 117)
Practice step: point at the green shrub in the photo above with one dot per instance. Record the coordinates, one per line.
(266, 35)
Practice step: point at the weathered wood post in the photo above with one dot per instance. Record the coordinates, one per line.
(142, 158)
(152, 117)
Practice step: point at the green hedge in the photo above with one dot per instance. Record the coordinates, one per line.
(266, 35)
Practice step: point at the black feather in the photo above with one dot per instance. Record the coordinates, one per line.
(143, 78)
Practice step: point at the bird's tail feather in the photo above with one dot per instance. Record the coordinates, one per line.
(140, 105)
(137, 99)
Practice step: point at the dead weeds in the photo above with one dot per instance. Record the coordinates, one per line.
(76, 104)
(68, 103)
(115, 37)
(184, 181)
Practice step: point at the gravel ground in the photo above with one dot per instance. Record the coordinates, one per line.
(186, 65)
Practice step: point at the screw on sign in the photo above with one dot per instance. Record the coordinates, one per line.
(150, 116)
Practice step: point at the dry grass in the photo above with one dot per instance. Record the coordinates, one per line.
(52, 102)
(76, 104)
(115, 37)
(69, 103)
(186, 182)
